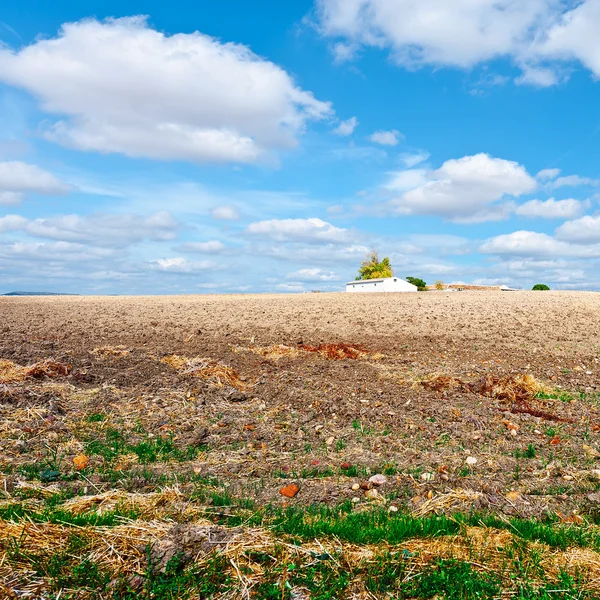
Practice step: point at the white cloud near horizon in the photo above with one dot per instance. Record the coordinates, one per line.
(537, 245)
(102, 230)
(180, 265)
(313, 274)
(119, 86)
(299, 230)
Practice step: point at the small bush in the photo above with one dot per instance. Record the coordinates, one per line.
(540, 287)
(420, 283)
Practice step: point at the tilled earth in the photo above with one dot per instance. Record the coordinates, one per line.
(463, 401)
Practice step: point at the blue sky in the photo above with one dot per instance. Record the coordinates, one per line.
(268, 146)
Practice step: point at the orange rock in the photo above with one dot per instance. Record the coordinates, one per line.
(289, 491)
(555, 440)
(80, 462)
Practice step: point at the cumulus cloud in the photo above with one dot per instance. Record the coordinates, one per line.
(104, 230)
(211, 247)
(552, 209)
(120, 86)
(346, 128)
(463, 189)
(298, 230)
(386, 138)
(18, 179)
(533, 244)
(538, 35)
(225, 213)
(180, 265)
(313, 274)
(546, 174)
(581, 231)
(573, 181)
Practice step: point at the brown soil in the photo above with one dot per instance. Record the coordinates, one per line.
(300, 389)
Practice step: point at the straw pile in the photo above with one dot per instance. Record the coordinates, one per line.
(218, 374)
(10, 372)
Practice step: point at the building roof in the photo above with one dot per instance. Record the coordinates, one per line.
(369, 280)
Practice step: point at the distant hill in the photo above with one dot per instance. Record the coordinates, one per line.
(38, 294)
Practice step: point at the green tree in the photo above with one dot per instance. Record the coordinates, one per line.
(373, 268)
(539, 287)
(421, 285)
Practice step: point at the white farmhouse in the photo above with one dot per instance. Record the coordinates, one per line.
(389, 284)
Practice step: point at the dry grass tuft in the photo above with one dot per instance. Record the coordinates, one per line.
(441, 383)
(513, 388)
(274, 352)
(519, 390)
(215, 372)
(337, 351)
(10, 372)
(111, 352)
(447, 502)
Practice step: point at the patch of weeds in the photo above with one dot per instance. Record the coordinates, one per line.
(178, 581)
(17, 512)
(384, 574)
(340, 445)
(65, 568)
(324, 580)
(316, 473)
(555, 395)
(96, 417)
(453, 580)
(162, 449)
(358, 527)
(148, 451)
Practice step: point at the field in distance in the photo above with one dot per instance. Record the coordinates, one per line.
(309, 446)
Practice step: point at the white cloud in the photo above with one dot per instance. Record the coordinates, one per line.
(546, 174)
(581, 231)
(573, 181)
(225, 213)
(180, 265)
(540, 36)
(574, 36)
(103, 230)
(292, 287)
(314, 274)
(211, 247)
(552, 209)
(298, 230)
(44, 253)
(402, 181)
(327, 254)
(386, 138)
(19, 178)
(533, 244)
(120, 86)
(463, 189)
(346, 128)
(412, 160)
(12, 223)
